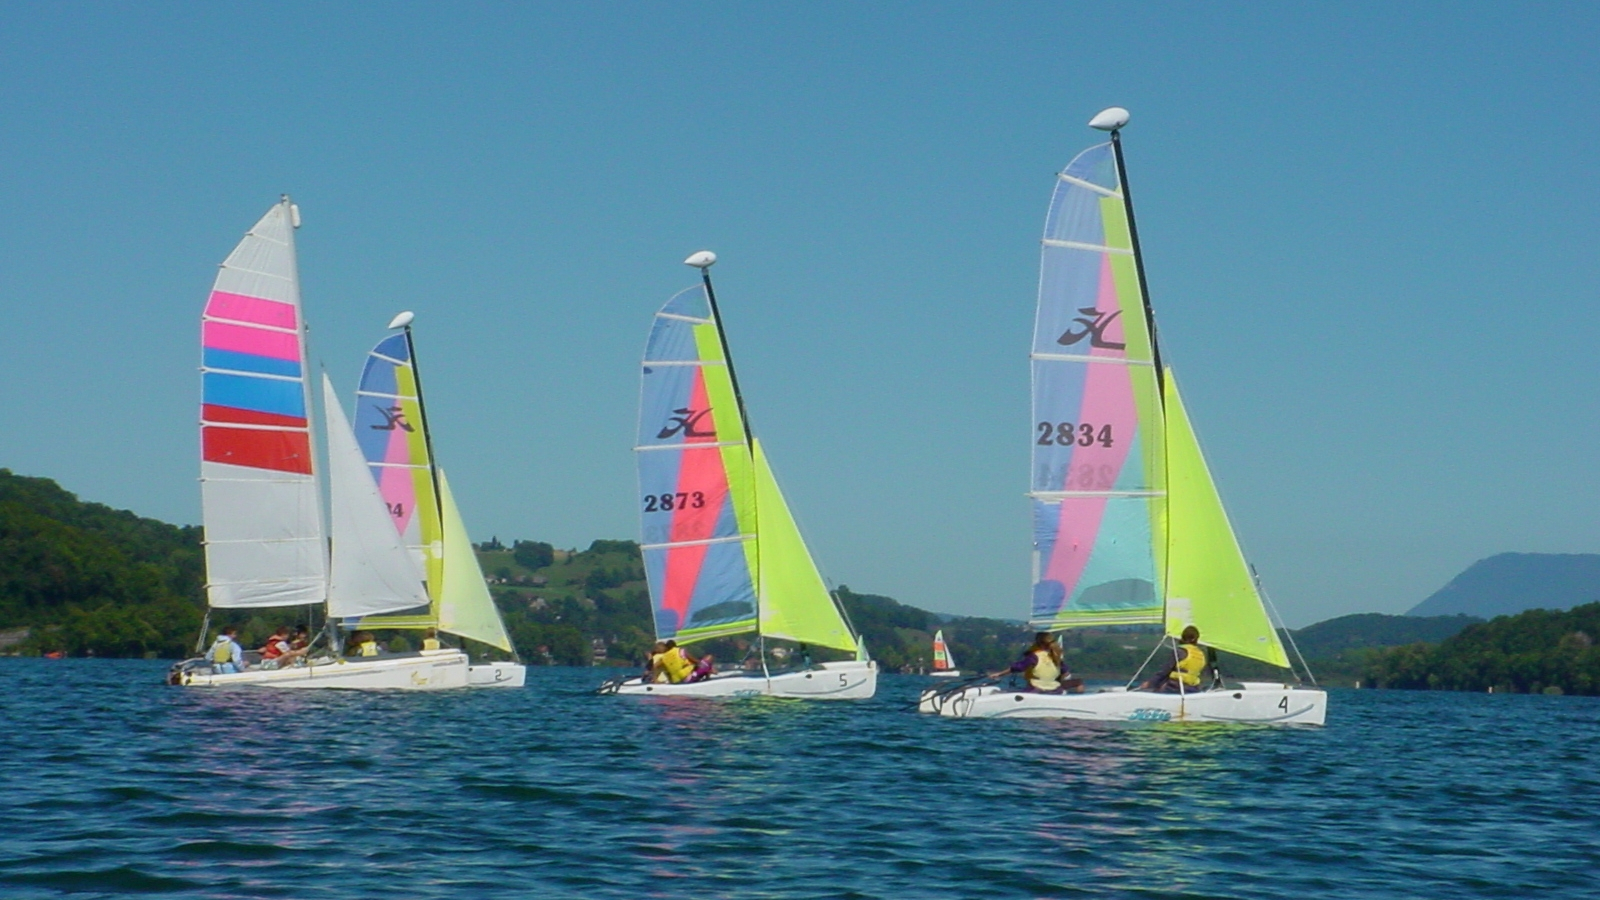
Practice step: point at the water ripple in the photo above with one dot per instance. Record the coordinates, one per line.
(115, 785)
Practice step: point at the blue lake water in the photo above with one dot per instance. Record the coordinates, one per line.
(112, 784)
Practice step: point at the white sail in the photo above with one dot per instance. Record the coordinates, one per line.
(465, 605)
(258, 484)
(373, 572)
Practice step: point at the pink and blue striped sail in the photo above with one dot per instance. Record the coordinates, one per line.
(259, 493)
(696, 479)
(389, 428)
(1098, 485)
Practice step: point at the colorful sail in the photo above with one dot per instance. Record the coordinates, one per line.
(1209, 583)
(795, 603)
(372, 571)
(942, 661)
(390, 430)
(466, 607)
(259, 493)
(1098, 484)
(696, 484)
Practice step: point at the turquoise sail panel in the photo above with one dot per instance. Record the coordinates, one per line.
(1097, 471)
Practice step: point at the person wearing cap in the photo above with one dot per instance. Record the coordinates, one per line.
(1188, 665)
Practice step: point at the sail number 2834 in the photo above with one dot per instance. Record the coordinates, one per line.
(1066, 434)
(670, 502)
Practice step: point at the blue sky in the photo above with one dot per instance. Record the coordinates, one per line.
(1368, 233)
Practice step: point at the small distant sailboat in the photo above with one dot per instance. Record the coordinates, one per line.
(722, 553)
(1128, 526)
(944, 664)
(265, 543)
(392, 429)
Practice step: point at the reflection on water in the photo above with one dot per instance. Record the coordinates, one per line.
(115, 784)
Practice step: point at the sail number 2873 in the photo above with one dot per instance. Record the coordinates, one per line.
(670, 502)
(1066, 434)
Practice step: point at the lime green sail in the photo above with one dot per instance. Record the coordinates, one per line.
(465, 606)
(1208, 581)
(794, 603)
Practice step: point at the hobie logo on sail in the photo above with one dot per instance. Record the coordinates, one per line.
(686, 420)
(394, 417)
(1094, 329)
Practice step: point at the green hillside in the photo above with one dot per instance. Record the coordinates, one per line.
(84, 578)
(1540, 650)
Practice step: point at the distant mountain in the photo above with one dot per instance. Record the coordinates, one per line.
(1512, 582)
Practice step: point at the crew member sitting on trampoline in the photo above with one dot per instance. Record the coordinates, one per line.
(1187, 668)
(1042, 668)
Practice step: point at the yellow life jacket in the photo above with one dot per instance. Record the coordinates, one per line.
(369, 648)
(1044, 675)
(1190, 666)
(222, 651)
(676, 665)
(430, 643)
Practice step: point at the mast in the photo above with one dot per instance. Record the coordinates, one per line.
(1113, 120)
(403, 321)
(704, 260)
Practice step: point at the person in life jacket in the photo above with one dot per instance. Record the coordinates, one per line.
(226, 656)
(430, 639)
(276, 647)
(362, 643)
(1042, 667)
(1187, 669)
(675, 664)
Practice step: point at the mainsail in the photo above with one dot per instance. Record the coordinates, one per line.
(942, 661)
(696, 479)
(259, 492)
(390, 429)
(1098, 483)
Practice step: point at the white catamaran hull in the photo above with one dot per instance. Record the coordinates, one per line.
(429, 671)
(1258, 702)
(497, 674)
(848, 680)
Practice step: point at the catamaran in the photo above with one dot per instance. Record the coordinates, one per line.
(1128, 526)
(944, 664)
(722, 553)
(265, 545)
(392, 428)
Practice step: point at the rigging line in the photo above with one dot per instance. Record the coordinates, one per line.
(1273, 608)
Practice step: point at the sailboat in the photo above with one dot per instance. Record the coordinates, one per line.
(265, 543)
(944, 664)
(1128, 526)
(392, 429)
(722, 553)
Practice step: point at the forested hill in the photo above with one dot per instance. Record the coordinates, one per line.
(84, 577)
(1538, 651)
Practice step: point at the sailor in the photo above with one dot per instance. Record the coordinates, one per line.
(430, 639)
(676, 664)
(226, 656)
(652, 664)
(1188, 665)
(1042, 668)
(276, 647)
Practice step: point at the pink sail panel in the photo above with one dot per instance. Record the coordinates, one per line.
(254, 310)
(703, 480)
(254, 341)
